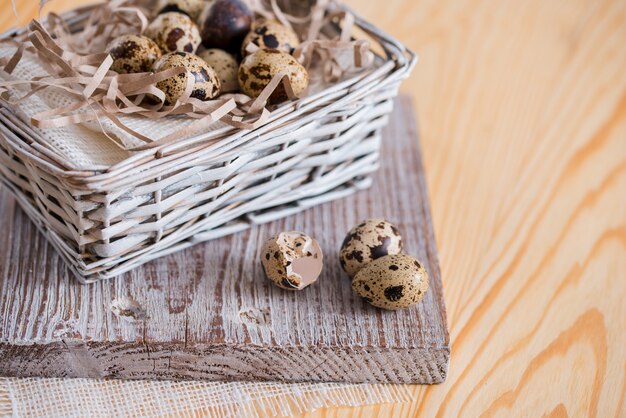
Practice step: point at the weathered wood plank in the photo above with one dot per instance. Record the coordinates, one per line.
(208, 312)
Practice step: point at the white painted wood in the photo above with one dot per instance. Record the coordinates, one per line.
(207, 312)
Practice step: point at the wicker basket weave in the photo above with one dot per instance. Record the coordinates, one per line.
(164, 199)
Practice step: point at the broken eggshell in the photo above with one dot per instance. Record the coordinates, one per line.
(292, 260)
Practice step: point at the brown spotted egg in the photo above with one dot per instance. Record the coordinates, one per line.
(174, 32)
(225, 24)
(271, 34)
(226, 67)
(206, 83)
(258, 69)
(369, 240)
(292, 260)
(133, 54)
(392, 282)
(191, 8)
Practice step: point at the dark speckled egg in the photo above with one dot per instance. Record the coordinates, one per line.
(206, 83)
(369, 240)
(174, 32)
(270, 34)
(226, 24)
(396, 281)
(133, 54)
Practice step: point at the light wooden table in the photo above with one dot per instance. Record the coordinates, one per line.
(522, 106)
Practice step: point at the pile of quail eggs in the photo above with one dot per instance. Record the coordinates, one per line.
(219, 43)
(371, 255)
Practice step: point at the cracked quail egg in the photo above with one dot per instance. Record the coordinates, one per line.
(257, 70)
(271, 34)
(191, 8)
(292, 260)
(174, 32)
(133, 54)
(369, 240)
(226, 67)
(392, 282)
(206, 83)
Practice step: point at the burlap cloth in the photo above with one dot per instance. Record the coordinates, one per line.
(100, 398)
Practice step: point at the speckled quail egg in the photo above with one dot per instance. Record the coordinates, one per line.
(174, 32)
(271, 34)
(392, 282)
(369, 240)
(206, 84)
(257, 70)
(133, 54)
(225, 25)
(226, 67)
(191, 8)
(292, 260)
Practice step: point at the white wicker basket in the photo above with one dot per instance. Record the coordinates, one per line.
(106, 222)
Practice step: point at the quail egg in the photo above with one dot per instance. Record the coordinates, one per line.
(369, 240)
(174, 32)
(292, 260)
(226, 24)
(270, 34)
(206, 85)
(226, 67)
(392, 282)
(133, 54)
(191, 8)
(257, 70)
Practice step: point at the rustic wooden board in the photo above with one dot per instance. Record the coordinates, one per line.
(522, 110)
(209, 313)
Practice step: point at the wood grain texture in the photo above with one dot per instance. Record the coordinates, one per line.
(522, 110)
(209, 313)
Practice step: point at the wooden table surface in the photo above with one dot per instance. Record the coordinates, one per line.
(522, 111)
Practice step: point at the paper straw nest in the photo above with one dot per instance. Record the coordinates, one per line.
(76, 65)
